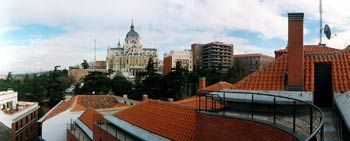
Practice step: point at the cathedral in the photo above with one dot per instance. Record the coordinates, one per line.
(130, 58)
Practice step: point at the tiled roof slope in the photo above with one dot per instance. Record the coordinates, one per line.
(88, 117)
(169, 120)
(61, 107)
(271, 77)
(313, 49)
(83, 102)
(218, 86)
(95, 102)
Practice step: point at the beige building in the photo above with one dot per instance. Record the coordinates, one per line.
(212, 55)
(253, 61)
(130, 58)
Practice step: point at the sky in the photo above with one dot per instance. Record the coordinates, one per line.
(36, 35)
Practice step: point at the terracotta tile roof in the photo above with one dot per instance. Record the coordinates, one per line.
(83, 102)
(218, 86)
(271, 77)
(182, 123)
(169, 120)
(88, 118)
(95, 102)
(63, 106)
(250, 55)
(311, 49)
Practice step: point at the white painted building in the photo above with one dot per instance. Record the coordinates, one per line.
(17, 114)
(55, 122)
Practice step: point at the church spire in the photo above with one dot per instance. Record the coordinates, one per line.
(118, 45)
(132, 24)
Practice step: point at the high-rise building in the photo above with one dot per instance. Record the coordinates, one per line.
(130, 58)
(17, 118)
(182, 56)
(214, 55)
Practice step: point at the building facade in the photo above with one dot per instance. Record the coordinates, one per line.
(182, 56)
(253, 61)
(130, 58)
(20, 118)
(214, 55)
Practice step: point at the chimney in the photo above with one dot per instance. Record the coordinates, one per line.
(125, 96)
(170, 100)
(295, 52)
(202, 83)
(144, 97)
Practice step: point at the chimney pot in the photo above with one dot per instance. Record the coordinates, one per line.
(125, 96)
(202, 83)
(170, 100)
(144, 97)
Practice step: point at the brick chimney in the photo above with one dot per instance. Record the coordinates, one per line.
(202, 83)
(295, 51)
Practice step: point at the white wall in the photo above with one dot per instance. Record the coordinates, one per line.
(55, 128)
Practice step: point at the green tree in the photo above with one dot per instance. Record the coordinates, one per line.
(96, 82)
(120, 85)
(85, 64)
(236, 72)
(9, 76)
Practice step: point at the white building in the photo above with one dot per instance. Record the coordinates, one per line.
(55, 122)
(19, 117)
(130, 58)
(182, 56)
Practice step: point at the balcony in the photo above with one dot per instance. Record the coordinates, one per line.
(299, 118)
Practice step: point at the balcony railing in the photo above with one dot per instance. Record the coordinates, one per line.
(302, 119)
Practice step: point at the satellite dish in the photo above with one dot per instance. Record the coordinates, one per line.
(327, 31)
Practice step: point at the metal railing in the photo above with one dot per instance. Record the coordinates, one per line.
(301, 118)
(77, 132)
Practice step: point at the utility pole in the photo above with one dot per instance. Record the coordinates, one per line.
(320, 8)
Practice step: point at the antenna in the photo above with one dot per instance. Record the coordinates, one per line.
(320, 22)
(327, 31)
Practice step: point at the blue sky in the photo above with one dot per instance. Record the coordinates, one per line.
(47, 33)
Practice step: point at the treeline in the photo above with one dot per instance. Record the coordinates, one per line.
(46, 87)
(178, 84)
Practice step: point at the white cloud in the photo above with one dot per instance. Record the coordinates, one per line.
(166, 25)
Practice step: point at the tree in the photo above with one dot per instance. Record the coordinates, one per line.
(150, 66)
(55, 85)
(9, 76)
(236, 72)
(96, 83)
(85, 64)
(120, 85)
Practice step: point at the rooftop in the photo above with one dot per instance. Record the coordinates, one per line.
(179, 122)
(80, 103)
(250, 55)
(272, 76)
(172, 121)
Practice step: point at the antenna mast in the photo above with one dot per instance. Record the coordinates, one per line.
(320, 22)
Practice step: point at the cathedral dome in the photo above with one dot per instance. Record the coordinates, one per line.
(132, 32)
